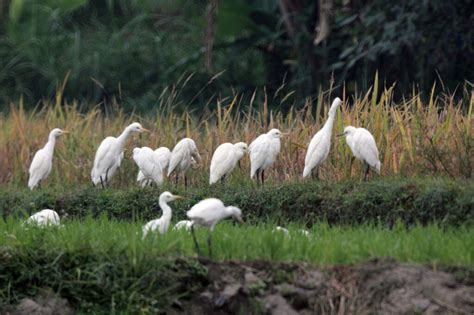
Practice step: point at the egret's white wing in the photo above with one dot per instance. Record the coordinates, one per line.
(164, 156)
(367, 147)
(147, 161)
(223, 162)
(39, 168)
(259, 152)
(181, 156)
(318, 150)
(206, 211)
(103, 159)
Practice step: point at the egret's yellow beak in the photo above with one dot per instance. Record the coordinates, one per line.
(178, 197)
(64, 131)
(284, 133)
(145, 130)
(240, 220)
(340, 135)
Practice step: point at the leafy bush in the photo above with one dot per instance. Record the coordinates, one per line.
(381, 201)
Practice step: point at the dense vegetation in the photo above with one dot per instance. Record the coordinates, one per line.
(128, 52)
(102, 265)
(423, 201)
(415, 138)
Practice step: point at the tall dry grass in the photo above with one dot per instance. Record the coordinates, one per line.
(414, 137)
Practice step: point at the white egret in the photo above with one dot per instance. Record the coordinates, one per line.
(109, 155)
(163, 157)
(181, 158)
(280, 229)
(209, 212)
(318, 149)
(43, 160)
(149, 164)
(225, 159)
(162, 224)
(183, 224)
(364, 148)
(46, 217)
(263, 153)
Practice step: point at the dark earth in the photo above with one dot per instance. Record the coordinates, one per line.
(262, 287)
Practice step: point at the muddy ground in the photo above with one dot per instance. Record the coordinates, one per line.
(260, 287)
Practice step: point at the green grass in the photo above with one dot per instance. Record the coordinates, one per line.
(326, 245)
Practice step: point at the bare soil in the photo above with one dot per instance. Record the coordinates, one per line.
(376, 287)
(263, 287)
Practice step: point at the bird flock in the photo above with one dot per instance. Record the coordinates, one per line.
(155, 165)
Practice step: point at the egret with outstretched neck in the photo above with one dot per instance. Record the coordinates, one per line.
(42, 162)
(162, 224)
(109, 155)
(318, 149)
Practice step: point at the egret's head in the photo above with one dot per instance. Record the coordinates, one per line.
(236, 213)
(194, 164)
(241, 147)
(137, 127)
(335, 104)
(56, 132)
(167, 197)
(275, 133)
(348, 131)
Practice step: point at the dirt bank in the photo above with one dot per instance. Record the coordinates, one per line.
(381, 287)
(262, 287)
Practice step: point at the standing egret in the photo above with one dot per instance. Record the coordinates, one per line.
(319, 146)
(46, 217)
(43, 160)
(263, 153)
(163, 157)
(209, 212)
(363, 146)
(181, 158)
(183, 224)
(224, 160)
(110, 154)
(162, 224)
(149, 164)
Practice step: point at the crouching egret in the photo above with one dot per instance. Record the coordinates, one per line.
(162, 224)
(43, 160)
(149, 164)
(209, 212)
(225, 159)
(43, 218)
(109, 155)
(181, 158)
(318, 149)
(183, 224)
(363, 146)
(285, 232)
(163, 157)
(263, 153)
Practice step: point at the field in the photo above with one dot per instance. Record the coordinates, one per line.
(409, 229)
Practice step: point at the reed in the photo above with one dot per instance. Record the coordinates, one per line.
(414, 137)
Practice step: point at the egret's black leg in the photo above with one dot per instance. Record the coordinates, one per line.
(263, 177)
(209, 244)
(185, 181)
(102, 182)
(107, 176)
(195, 241)
(350, 165)
(367, 168)
(222, 179)
(176, 181)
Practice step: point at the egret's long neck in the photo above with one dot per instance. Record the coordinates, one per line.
(122, 139)
(330, 122)
(166, 211)
(49, 147)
